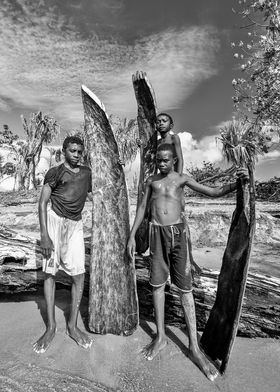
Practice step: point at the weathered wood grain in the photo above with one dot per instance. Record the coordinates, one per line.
(146, 119)
(20, 271)
(221, 327)
(113, 303)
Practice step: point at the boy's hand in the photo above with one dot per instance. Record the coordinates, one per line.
(121, 162)
(46, 246)
(139, 142)
(131, 248)
(242, 174)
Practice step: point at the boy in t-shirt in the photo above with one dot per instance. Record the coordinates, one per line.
(67, 187)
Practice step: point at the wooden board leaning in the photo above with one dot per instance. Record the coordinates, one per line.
(113, 303)
(221, 327)
(146, 119)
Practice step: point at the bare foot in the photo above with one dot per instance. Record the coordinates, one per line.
(154, 348)
(204, 364)
(81, 338)
(45, 340)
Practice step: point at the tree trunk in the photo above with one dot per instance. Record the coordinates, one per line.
(221, 328)
(20, 271)
(146, 123)
(113, 303)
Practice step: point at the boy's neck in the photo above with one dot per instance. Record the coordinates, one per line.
(71, 167)
(164, 175)
(164, 135)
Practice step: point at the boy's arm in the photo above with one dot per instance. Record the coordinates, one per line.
(215, 191)
(178, 150)
(46, 243)
(140, 213)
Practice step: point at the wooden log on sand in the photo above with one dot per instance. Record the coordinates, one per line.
(146, 119)
(113, 303)
(20, 271)
(221, 328)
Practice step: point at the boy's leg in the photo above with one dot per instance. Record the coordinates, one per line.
(197, 356)
(81, 338)
(195, 267)
(160, 340)
(49, 291)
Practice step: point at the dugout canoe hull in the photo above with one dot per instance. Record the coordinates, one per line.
(113, 303)
(146, 119)
(221, 328)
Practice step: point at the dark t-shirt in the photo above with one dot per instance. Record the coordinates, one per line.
(69, 190)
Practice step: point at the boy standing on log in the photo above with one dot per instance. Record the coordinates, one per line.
(62, 241)
(164, 125)
(168, 247)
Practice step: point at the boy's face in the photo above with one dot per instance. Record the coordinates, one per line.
(73, 154)
(163, 124)
(165, 161)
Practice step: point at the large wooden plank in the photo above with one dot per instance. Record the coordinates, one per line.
(221, 328)
(146, 119)
(113, 303)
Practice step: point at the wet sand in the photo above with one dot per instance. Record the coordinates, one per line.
(115, 362)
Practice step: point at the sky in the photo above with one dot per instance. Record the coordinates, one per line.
(49, 48)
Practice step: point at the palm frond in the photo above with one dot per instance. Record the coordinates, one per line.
(126, 135)
(241, 143)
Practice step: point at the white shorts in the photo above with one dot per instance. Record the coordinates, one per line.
(69, 247)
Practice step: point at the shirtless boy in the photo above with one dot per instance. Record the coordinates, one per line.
(164, 125)
(168, 247)
(62, 242)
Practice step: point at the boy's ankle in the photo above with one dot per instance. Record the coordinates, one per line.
(51, 326)
(161, 336)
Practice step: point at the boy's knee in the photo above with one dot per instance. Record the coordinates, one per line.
(159, 289)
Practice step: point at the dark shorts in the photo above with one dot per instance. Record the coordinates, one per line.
(170, 255)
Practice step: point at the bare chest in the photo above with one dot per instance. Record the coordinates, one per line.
(166, 188)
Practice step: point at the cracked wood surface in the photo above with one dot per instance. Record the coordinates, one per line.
(21, 271)
(113, 303)
(146, 118)
(221, 328)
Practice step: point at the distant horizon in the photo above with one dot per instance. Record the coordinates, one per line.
(132, 168)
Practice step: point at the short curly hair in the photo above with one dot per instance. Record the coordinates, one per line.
(167, 115)
(73, 140)
(166, 147)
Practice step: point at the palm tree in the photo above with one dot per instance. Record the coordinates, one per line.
(40, 129)
(241, 143)
(127, 136)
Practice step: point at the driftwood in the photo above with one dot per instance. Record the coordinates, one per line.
(146, 119)
(113, 303)
(221, 328)
(20, 271)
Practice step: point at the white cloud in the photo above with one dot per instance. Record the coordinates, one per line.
(268, 157)
(44, 61)
(207, 149)
(195, 152)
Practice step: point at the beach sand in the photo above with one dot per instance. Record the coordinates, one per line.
(115, 362)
